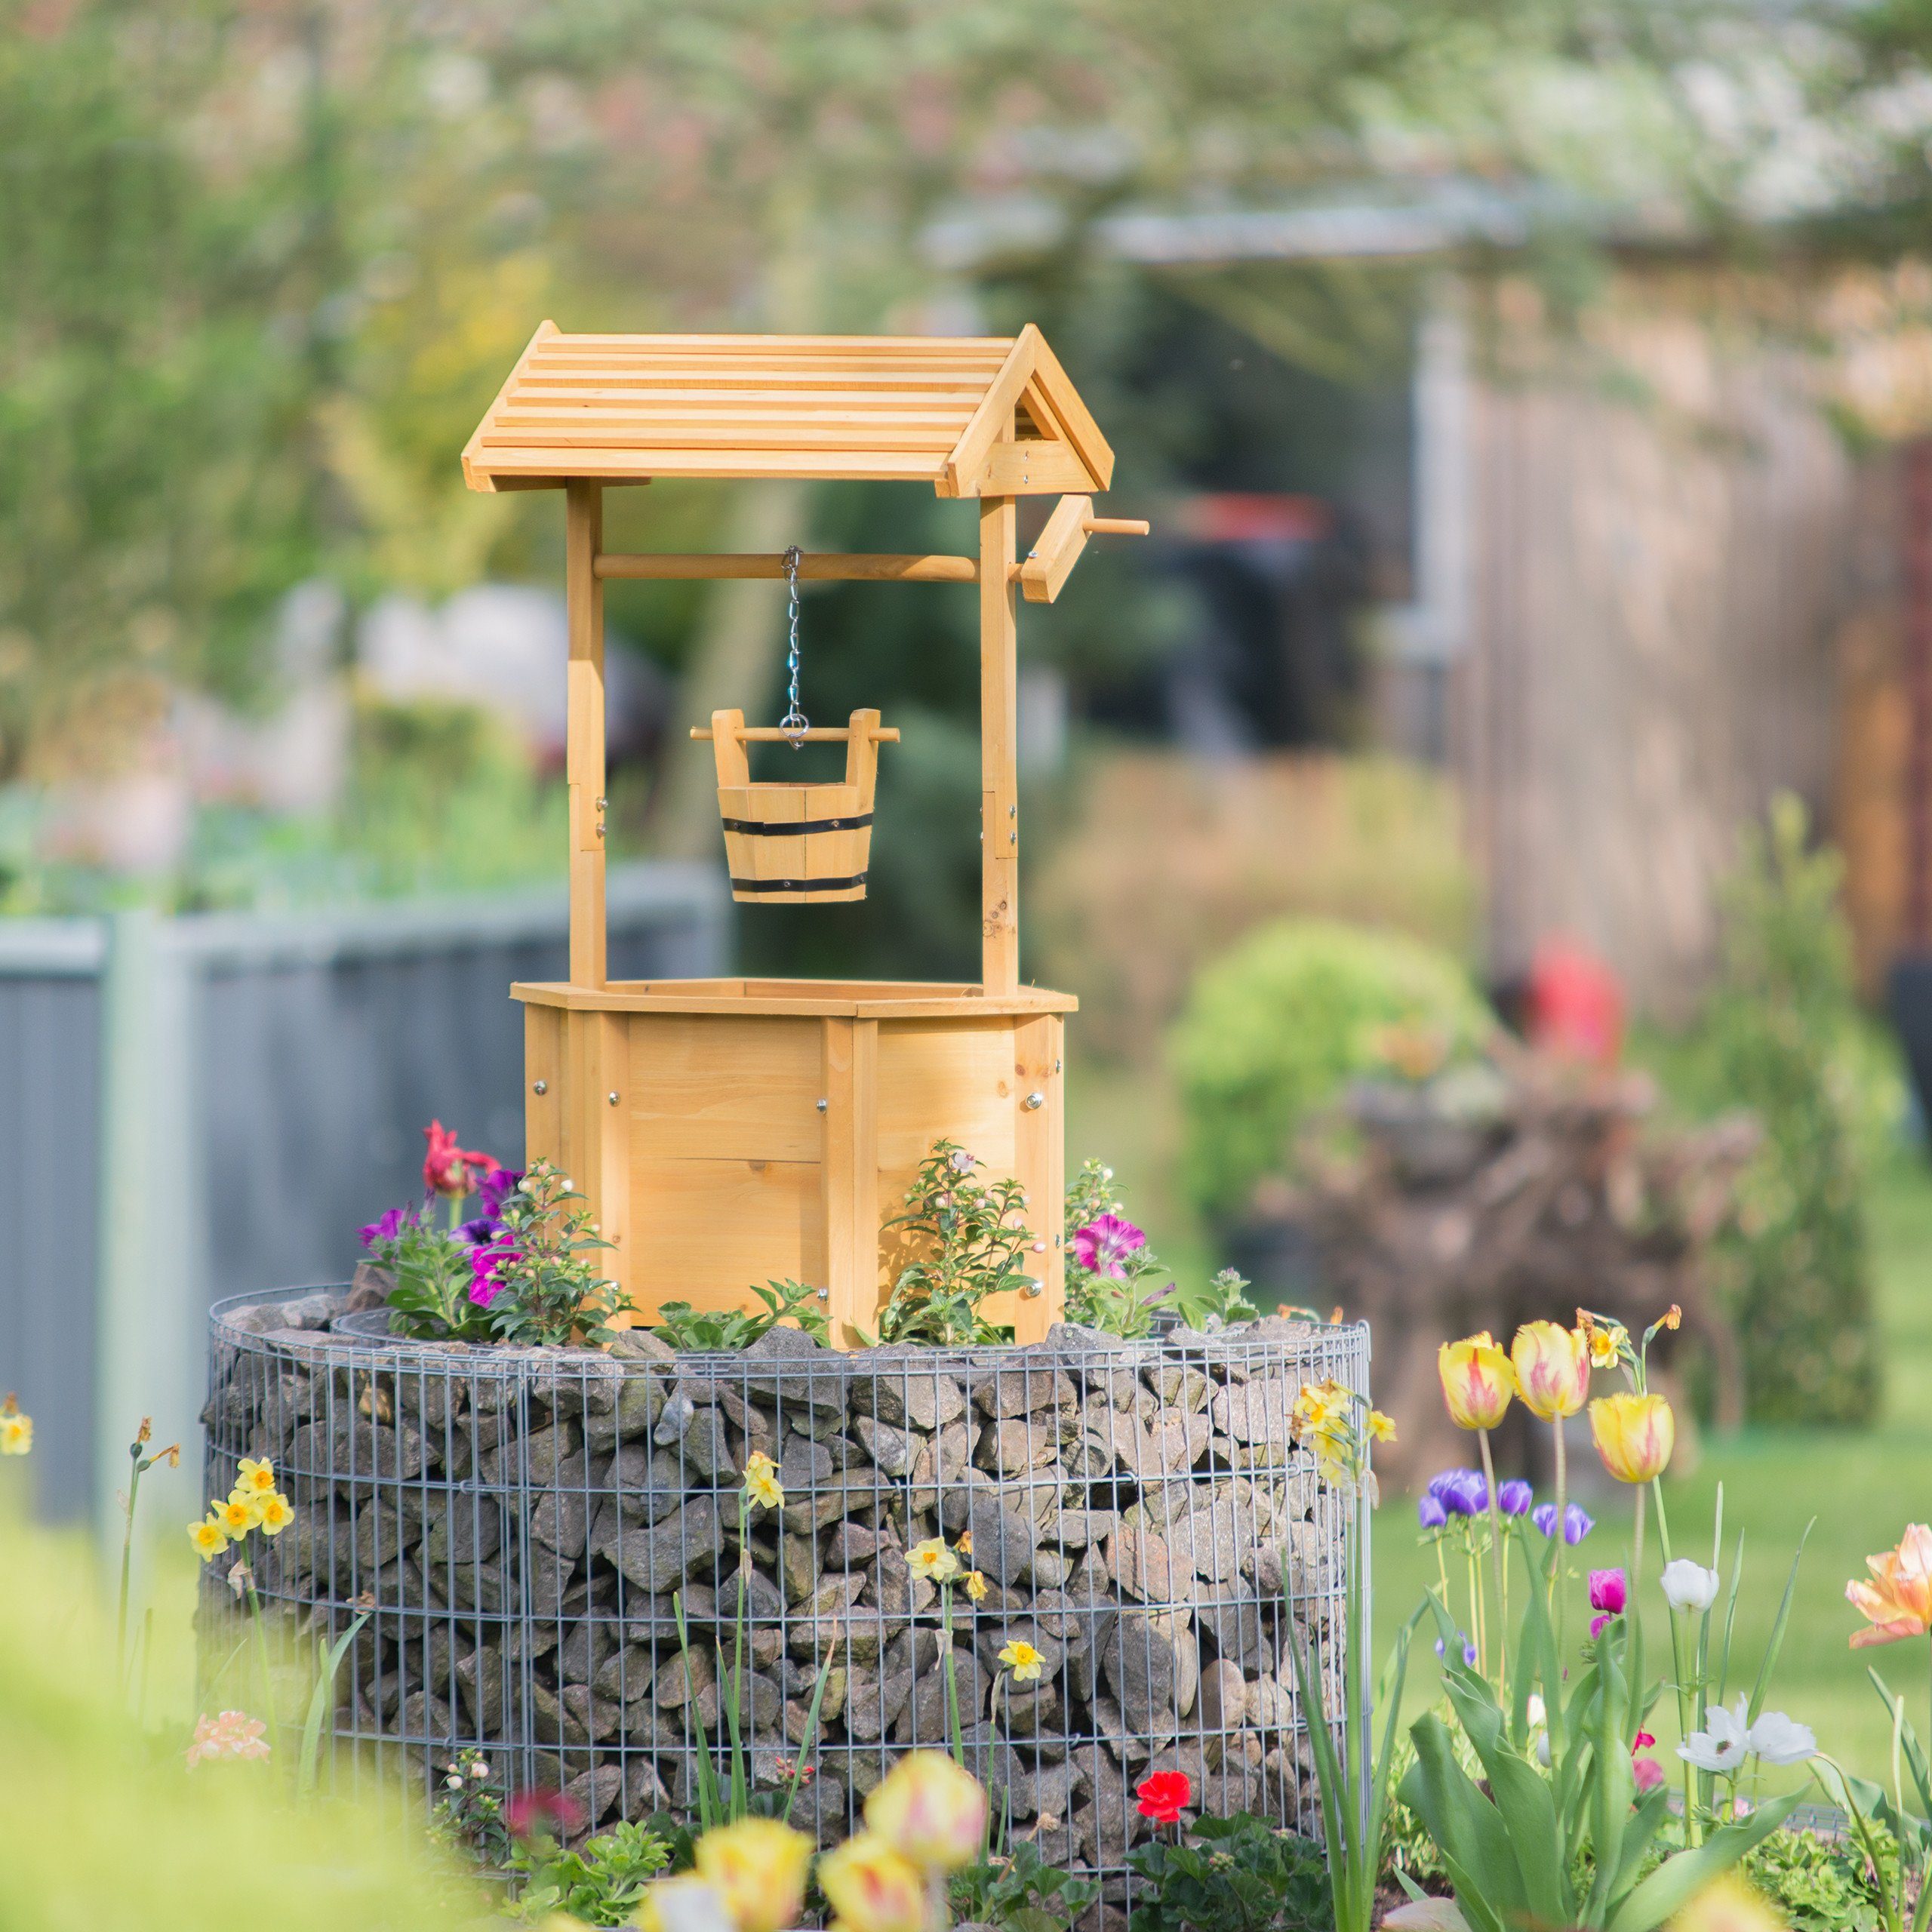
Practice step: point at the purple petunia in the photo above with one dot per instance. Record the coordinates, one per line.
(1576, 1523)
(493, 1190)
(1102, 1246)
(484, 1262)
(1514, 1499)
(387, 1229)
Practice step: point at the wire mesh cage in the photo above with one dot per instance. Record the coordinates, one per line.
(525, 1530)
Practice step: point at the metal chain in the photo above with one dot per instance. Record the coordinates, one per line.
(795, 724)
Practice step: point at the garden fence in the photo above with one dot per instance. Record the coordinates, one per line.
(194, 1106)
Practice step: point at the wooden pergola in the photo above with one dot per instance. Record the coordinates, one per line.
(731, 1131)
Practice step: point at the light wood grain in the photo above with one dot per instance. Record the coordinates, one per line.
(584, 729)
(999, 815)
(825, 567)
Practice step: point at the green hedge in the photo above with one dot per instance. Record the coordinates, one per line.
(1274, 1028)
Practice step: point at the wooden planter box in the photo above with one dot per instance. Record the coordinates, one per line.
(732, 1132)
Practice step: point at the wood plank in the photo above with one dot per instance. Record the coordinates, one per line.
(993, 421)
(1040, 1167)
(744, 1088)
(851, 1176)
(881, 465)
(1031, 469)
(584, 729)
(705, 1231)
(574, 412)
(542, 1068)
(768, 435)
(610, 1196)
(1072, 418)
(999, 807)
(944, 1078)
(951, 397)
(472, 475)
(812, 998)
(923, 384)
(829, 344)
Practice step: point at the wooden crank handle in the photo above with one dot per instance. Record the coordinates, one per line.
(769, 734)
(1115, 526)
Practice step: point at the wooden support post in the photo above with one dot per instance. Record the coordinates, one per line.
(999, 814)
(849, 1176)
(583, 591)
(1040, 1167)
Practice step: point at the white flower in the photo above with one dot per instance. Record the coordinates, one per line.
(1538, 1722)
(1689, 1585)
(1724, 1746)
(1778, 1740)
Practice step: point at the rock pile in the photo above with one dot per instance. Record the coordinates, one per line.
(527, 1527)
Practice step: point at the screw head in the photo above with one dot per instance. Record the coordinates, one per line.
(825, 1294)
(1032, 1290)
(822, 1106)
(540, 1087)
(1033, 1102)
(614, 1100)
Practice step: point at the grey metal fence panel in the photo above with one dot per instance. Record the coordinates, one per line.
(208, 1105)
(50, 1105)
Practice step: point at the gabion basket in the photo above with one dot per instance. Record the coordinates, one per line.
(517, 1523)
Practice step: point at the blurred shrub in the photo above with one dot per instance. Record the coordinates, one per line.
(1273, 1028)
(1169, 862)
(1783, 1039)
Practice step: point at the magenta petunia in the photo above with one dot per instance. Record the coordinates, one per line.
(1102, 1246)
(387, 1229)
(484, 1262)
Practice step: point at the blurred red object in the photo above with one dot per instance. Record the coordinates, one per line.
(1575, 1008)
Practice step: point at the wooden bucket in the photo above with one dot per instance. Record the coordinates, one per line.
(797, 844)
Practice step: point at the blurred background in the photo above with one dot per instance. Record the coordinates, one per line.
(1533, 402)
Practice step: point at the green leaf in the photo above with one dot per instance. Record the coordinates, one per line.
(1783, 1617)
(1469, 1832)
(1678, 1879)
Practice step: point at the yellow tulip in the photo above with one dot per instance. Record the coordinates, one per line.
(1726, 1904)
(931, 1810)
(1634, 1435)
(1898, 1601)
(659, 1909)
(873, 1887)
(1477, 1381)
(1551, 1365)
(757, 1867)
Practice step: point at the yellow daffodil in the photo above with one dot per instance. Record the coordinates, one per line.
(1634, 1435)
(1023, 1660)
(976, 1586)
(238, 1516)
(1898, 1600)
(929, 1810)
(254, 1479)
(933, 1561)
(964, 1543)
(871, 1887)
(1552, 1369)
(762, 1483)
(16, 1430)
(757, 1867)
(1381, 1428)
(1478, 1381)
(209, 1538)
(277, 1513)
(1320, 1404)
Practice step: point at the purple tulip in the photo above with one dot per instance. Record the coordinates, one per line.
(1430, 1513)
(1576, 1523)
(1514, 1498)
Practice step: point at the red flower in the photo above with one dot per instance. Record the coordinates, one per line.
(548, 1811)
(451, 1169)
(1642, 1741)
(1161, 1794)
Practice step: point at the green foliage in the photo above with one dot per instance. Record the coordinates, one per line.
(969, 1242)
(1234, 1875)
(1823, 1884)
(467, 1818)
(548, 1294)
(430, 1301)
(1779, 1026)
(689, 1328)
(1274, 1029)
(1019, 1892)
(598, 1884)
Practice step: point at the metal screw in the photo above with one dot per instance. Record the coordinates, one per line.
(603, 805)
(1033, 1289)
(823, 1105)
(541, 1086)
(1055, 1066)
(825, 1294)
(1033, 1100)
(614, 1100)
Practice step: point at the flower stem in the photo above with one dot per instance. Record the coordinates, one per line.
(1502, 1566)
(1556, 1559)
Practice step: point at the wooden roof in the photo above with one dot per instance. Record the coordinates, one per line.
(922, 409)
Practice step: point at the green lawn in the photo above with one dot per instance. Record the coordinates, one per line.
(1861, 1488)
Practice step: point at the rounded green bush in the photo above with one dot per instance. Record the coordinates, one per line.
(1273, 1028)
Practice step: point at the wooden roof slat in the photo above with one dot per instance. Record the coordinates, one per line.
(936, 409)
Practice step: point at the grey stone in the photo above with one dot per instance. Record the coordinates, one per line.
(1150, 1661)
(1019, 1386)
(786, 1363)
(1240, 1630)
(892, 1449)
(660, 1556)
(641, 1345)
(901, 1386)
